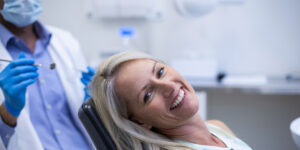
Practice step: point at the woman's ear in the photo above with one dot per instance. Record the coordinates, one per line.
(144, 125)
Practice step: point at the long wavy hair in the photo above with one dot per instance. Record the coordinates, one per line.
(126, 134)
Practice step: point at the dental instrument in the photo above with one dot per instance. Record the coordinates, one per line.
(51, 67)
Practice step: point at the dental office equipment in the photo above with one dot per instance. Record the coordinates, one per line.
(295, 131)
(293, 76)
(51, 67)
(126, 34)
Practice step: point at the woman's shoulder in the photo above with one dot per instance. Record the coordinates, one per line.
(221, 125)
(222, 131)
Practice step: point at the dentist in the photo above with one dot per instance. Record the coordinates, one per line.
(38, 106)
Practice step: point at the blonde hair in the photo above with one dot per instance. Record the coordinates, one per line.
(113, 113)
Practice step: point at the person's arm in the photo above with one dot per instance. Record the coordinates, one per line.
(7, 124)
(6, 117)
(14, 79)
(221, 125)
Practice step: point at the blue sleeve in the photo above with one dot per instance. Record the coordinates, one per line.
(6, 132)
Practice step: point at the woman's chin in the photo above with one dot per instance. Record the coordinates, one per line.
(190, 108)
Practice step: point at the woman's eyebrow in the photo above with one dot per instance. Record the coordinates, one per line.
(153, 70)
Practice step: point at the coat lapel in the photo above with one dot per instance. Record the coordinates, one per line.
(3, 55)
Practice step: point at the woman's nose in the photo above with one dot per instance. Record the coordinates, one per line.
(166, 87)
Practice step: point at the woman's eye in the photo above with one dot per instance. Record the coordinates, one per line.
(147, 97)
(160, 72)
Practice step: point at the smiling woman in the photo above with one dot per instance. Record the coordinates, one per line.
(146, 104)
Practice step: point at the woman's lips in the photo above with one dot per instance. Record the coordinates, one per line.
(180, 98)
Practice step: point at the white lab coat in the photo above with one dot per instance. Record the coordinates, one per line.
(65, 52)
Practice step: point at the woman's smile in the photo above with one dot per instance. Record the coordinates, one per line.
(178, 100)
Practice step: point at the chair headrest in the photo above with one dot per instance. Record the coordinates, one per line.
(93, 124)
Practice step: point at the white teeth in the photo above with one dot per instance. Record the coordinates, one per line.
(179, 99)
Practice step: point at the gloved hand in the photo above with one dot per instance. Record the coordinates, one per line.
(85, 79)
(14, 80)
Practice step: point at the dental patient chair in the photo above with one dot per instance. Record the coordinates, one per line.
(95, 127)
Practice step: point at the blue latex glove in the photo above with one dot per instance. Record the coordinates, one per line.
(86, 79)
(14, 80)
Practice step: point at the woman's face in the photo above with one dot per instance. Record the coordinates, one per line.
(156, 95)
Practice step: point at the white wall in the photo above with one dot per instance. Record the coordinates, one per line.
(257, 37)
(94, 35)
(260, 36)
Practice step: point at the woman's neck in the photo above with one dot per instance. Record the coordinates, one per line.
(195, 131)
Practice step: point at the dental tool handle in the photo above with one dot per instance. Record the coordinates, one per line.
(5, 60)
(52, 65)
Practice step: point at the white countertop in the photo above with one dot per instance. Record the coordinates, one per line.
(249, 85)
